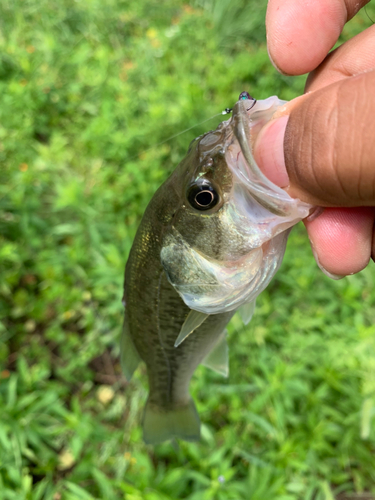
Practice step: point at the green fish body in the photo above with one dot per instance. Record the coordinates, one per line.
(209, 242)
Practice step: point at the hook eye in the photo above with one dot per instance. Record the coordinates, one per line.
(245, 96)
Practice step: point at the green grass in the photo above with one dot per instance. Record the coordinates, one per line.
(88, 90)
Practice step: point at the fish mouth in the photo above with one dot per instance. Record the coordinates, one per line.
(246, 122)
(241, 125)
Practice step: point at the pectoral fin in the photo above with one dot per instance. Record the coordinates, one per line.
(193, 320)
(218, 359)
(129, 355)
(246, 311)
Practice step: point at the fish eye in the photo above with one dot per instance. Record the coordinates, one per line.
(202, 196)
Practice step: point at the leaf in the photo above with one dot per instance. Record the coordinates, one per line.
(80, 493)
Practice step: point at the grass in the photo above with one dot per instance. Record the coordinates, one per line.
(88, 90)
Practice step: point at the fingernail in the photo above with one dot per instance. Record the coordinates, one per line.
(327, 273)
(269, 151)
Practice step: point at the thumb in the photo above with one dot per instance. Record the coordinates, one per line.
(324, 152)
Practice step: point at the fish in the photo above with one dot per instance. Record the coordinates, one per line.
(210, 240)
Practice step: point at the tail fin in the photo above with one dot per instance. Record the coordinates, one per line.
(181, 422)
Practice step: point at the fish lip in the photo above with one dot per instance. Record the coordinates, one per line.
(242, 124)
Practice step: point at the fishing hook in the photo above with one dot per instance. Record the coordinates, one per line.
(243, 97)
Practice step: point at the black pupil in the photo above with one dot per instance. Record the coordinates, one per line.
(204, 198)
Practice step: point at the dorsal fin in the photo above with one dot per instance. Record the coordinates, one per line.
(191, 323)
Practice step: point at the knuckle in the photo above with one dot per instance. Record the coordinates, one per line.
(329, 146)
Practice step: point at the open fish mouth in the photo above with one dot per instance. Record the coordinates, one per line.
(246, 122)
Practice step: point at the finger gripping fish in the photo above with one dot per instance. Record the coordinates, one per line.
(210, 241)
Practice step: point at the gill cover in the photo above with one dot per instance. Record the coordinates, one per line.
(260, 212)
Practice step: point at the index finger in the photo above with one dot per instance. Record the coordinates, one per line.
(300, 33)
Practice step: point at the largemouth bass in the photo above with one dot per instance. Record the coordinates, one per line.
(211, 239)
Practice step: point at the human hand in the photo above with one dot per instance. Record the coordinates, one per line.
(323, 150)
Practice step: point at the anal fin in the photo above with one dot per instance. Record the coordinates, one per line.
(129, 355)
(191, 323)
(218, 358)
